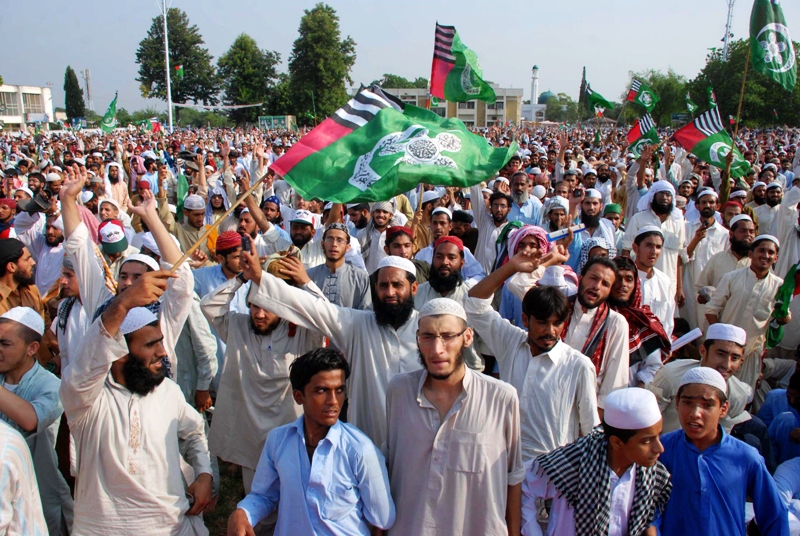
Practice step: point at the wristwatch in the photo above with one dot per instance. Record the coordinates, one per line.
(240, 277)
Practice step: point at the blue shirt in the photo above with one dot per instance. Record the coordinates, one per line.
(782, 425)
(775, 403)
(343, 488)
(530, 213)
(709, 489)
(787, 478)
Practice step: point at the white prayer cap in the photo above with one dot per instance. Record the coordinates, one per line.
(149, 242)
(734, 195)
(145, 259)
(53, 177)
(86, 197)
(726, 332)
(686, 181)
(80, 161)
(589, 170)
(632, 408)
(591, 193)
(658, 186)
(649, 229)
(766, 237)
(110, 201)
(443, 306)
(709, 191)
(393, 261)
(738, 218)
(539, 191)
(759, 183)
(58, 223)
(385, 206)
(705, 376)
(554, 277)
(194, 202)
(172, 208)
(536, 171)
(327, 206)
(773, 185)
(352, 205)
(24, 189)
(487, 190)
(430, 195)
(442, 210)
(501, 179)
(27, 317)
(136, 319)
(771, 166)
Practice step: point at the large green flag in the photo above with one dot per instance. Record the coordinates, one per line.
(771, 48)
(109, 122)
(706, 137)
(690, 105)
(596, 100)
(643, 133)
(642, 94)
(455, 73)
(376, 147)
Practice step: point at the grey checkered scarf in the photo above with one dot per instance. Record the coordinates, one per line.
(579, 472)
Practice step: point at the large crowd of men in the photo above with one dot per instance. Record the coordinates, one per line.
(592, 342)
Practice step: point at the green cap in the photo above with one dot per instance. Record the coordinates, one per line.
(612, 208)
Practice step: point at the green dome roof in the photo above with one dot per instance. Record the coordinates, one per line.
(544, 97)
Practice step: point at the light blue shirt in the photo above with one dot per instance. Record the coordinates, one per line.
(152, 180)
(343, 488)
(787, 479)
(530, 213)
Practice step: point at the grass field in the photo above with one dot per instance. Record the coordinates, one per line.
(231, 492)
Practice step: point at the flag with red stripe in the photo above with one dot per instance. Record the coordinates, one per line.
(706, 137)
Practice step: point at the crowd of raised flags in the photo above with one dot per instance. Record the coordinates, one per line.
(395, 324)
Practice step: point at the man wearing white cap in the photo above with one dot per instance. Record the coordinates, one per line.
(373, 237)
(591, 215)
(439, 418)
(47, 247)
(769, 210)
(759, 190)
(707, 237)
(29, 402)
(657, 208)
(608, 482)
(740, 236)
(656, 293)
(194, 211)
(714, 474)
(127, 422)
(378, 344)
(745, 298)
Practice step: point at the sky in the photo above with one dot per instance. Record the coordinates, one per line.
(610, 38)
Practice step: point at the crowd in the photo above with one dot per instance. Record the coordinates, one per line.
(593, 342)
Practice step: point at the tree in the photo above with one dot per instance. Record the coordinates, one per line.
(397, 82)
(671, 90)
(562, 109)
(199, 83)
(248, 75)
(279, 100)
(763, 97)
(123, 117)
(582, 91)
(73, 95)
(320, 64)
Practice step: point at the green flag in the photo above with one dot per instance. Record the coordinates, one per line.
(455, 74)
(109, 122)
(642, 94)
(643, 133)
(783, 299)
(596, 100)
(179, 71)
(182, 192)
(386, 148)
(712, 98)
(597, 141)
(690, 104)
(771, 47)
(434, 101)
(706, 137)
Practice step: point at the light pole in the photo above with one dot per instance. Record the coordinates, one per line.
(166, 63)
(727, 30)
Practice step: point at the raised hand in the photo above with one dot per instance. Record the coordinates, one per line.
(148, 204)
(71, 188)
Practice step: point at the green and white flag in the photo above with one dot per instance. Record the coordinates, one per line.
(109, 121)
(706, 137)
(712, 98)
(376, 147)
(771, 47)
(642, 94)
(596, 100)
(456, 75)
(643, 133)
(690, 105)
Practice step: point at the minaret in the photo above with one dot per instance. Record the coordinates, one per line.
(534, 84)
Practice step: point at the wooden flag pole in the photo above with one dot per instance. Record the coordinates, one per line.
(216, 224)
(738, 111)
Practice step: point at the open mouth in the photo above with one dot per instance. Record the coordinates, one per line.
(694, 426)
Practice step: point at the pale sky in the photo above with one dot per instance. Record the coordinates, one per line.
(609, 37)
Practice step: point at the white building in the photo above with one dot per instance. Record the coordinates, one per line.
(535, 110)
(22, 105)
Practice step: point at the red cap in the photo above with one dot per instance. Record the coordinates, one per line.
(393, 230)
(452, 239)
(10, 203)
(228, 240)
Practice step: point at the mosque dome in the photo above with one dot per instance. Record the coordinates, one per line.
(544, 97)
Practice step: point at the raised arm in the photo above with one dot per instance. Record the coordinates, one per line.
(147, 210)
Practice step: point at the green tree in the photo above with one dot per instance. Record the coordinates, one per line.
(671, 90)
(248, 76)
(73, 95)
(582, 92)
(199, 83)
(320, 64)
(562, 109)
(123, 117)
(762, 95)
(397, 81)
(279, 100)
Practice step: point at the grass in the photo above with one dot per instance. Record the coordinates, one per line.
(231, 491)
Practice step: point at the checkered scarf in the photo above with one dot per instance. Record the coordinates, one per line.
(579, 472)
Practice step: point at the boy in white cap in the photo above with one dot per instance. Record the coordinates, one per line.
(714, 474)
(657, 289)
(29, 402)
(127, 422)
(608, 482)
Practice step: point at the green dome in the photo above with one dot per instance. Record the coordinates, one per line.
(544, 97)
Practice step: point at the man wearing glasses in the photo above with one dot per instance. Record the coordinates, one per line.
(454, 447)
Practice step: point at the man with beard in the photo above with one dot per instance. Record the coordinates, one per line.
(741, 234)
(556, 384)
(745, 298)
(597, 331)
(648, 246)
(441, 225)
(525, 208)
(194, 211)
(604, 184)
(591, 215)
(8, 209)
(490, 223)
(373, 237)
(272, 210)
(29, 402)
(657, 208)
(35, 181)
(554, 216)
(342, 283)
(709, 237)
(253, 396)
(46, 248)
(358, 215)
(305, 238)
(127, 422)
(437, 417)
(759, 195)
(17, 281)
(378, 344)
(767, 212)
(116, 187)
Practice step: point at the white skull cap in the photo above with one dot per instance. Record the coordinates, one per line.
(443, 306)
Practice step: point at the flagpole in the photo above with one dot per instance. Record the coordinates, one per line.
(166, 63)
(739, 110)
